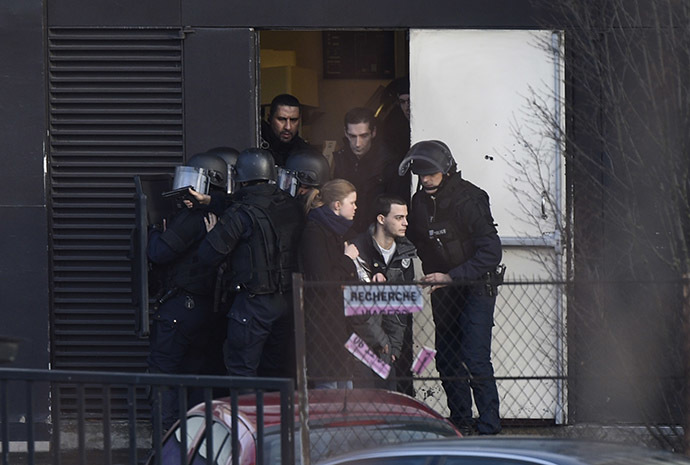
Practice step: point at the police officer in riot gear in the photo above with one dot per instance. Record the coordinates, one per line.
(450, 222)
(229, 155)
(304, 173)
(182, 337)
(257, 237)
(310, 167)
(217, 201)
(210, 165)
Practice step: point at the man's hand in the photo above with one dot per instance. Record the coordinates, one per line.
(202, 199)
(384, 350)
(351, 251)
(437, 280)
(210, 221)
(379, 278)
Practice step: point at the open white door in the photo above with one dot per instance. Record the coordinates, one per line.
(495, 97)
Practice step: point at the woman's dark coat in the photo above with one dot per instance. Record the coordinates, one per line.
(325, 268)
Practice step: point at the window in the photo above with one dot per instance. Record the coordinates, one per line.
(171, 448)
(222, 446)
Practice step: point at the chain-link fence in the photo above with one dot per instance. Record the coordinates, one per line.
(565, 360)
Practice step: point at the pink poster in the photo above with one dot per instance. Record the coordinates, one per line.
(361, 350)
(423, 359)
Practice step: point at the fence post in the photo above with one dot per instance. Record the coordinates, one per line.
(300, 355)
(686, 357)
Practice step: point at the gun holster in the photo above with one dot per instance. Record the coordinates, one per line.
(162, 297)
(494, 279)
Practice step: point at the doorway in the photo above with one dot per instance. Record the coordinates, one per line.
(330, 72)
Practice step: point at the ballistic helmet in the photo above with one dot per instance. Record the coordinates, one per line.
(255, 164)
(215, 167)
(428, 157)
(201, 172)
(309, 167)
(229, 155)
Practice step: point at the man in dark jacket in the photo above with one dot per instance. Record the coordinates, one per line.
(365, 163)
(280, 134)
(258, 238)
(387, 256)
(457, 241)
(394, 125)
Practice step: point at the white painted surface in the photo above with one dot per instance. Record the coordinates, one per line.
(472, 90)
(481, 91)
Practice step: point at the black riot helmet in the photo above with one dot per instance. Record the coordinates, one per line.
(201, 172)
(309, 167)
(255, 164)
(428, 157)
(230, 155)
(216, 168)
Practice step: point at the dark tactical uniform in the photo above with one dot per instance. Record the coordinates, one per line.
(455, 233)
(257, 237)
(184, 337)
(394, 330)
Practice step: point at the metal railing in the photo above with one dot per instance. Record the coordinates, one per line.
(564, 356)
(213, 387)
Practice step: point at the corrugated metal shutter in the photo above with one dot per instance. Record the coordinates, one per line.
(116, 110)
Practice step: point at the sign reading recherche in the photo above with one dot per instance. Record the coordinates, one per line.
(382, 300)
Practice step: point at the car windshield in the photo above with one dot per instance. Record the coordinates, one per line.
(331, 441)
(171, 447)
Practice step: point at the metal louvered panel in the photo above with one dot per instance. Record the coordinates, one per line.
(116, 110)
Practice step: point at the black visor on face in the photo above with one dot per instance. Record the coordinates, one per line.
(424, 167)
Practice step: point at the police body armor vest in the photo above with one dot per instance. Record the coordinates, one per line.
(264, 263)
(446, 238)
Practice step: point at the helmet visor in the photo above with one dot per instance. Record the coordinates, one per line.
(420, 165)
(423, 167)
(287, 181)
(230, 188)
(189, 176)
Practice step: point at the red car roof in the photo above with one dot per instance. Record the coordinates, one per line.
(329, 404)
(327, 408)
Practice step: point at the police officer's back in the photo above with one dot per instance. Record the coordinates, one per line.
(257, 237)
(183, 339)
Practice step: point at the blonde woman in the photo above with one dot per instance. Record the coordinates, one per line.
(326, 256)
